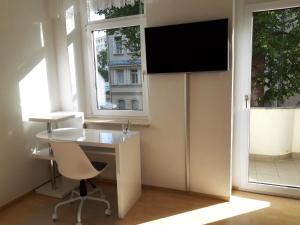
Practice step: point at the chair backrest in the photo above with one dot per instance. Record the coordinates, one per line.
(72, 161)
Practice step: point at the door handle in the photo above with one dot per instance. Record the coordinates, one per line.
(247, 101)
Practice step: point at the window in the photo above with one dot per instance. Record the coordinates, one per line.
(135, 104)
(118, 46)
(120, 77)
(121, 104)
(134, 76)
(127, 8)
(112, 68)
(275, 58)
(100, 43)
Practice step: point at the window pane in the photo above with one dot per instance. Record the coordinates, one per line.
(115, 73)
(275, 73)
(118, 47)
(114, 11)
(121, 104)
(135, 104)
(134, 76)
(120, 77)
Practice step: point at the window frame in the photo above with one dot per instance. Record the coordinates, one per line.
(136, 20)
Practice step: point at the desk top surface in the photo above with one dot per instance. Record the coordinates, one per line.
(87, 136)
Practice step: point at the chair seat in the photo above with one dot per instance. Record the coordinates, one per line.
(84, 174)
(74, 164)
(99, 165)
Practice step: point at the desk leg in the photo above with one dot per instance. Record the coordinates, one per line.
(52, 171)
(128, 168)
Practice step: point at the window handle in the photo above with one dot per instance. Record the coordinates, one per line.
(247, 101)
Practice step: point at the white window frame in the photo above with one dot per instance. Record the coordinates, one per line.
(136, 20)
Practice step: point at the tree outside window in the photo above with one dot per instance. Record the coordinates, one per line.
(275, 57)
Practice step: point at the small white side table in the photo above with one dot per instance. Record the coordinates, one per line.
(56, 187)
(53, 117)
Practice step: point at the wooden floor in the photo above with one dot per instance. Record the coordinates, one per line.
(161, 207)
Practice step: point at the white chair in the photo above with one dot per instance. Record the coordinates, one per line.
(74, 164)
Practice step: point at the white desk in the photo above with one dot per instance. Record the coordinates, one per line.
(126, 149)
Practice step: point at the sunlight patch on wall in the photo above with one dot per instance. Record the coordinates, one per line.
(34, 93)
(70, 20)
(237, 206)
(42, 35)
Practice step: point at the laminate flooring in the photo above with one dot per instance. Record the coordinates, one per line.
(160, 207)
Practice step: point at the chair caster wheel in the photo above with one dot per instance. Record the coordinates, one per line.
(107, 212)
(54, 217)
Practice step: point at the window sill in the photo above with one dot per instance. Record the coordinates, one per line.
(115, 121)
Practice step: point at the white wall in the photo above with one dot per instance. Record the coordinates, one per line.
(296, 132)
(274, 131)
(163, 143)
(271, 131)
(21, 50)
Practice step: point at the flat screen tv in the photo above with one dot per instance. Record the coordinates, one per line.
(199, 46)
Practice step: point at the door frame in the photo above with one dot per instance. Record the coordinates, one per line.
(242, 87)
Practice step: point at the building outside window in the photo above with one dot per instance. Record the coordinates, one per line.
(118, 46)
(121, 47)
(120, 77)
(135, 104)
(134, 76)
(121, 104)
(100, 43)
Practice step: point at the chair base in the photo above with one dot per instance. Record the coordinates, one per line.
(82, 199)
(63, 187)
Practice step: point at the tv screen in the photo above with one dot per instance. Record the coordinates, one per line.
(200, 46)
